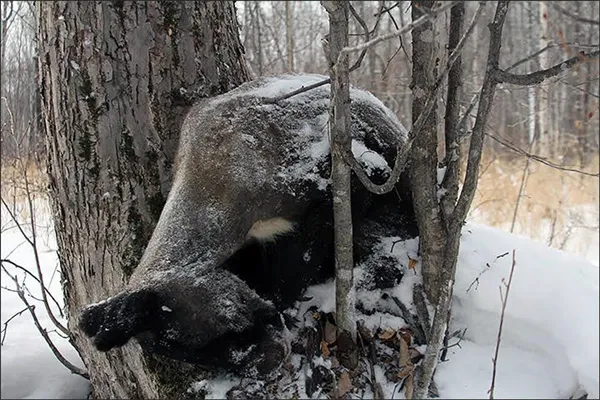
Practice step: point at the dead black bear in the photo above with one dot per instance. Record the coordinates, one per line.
(248, 224)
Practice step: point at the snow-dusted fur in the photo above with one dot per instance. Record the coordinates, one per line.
(242, 160)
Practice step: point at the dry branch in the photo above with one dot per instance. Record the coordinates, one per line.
(540, 159)
(504, 301)
(486, 97)
(420, 21)
(571, 15)
(36, 279)
(403, 153)
(33, 243)
(5, 329)
(435, 343)
(536, 77)
(74, 369)
(361, 47)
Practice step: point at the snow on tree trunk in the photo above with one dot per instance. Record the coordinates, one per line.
(116, 80)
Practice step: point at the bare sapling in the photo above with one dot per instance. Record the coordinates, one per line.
(504, 300)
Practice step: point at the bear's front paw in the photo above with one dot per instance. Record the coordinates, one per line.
(210, 317)
(114, 321)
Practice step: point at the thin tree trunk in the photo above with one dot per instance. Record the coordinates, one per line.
(116, 79)
(289, 34)
(340, 175)
(423, 158)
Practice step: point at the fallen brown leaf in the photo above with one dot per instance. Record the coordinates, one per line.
(344, 384)
(412, 263)
(406, 334)
(324, 349)
(406, 371)
(404, 353)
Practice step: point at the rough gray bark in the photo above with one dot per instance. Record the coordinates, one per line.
(340, 176)
(423, 158)
(117, 79)
(452, 116)
(463, 203)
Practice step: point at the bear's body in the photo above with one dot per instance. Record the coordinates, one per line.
(248, 223)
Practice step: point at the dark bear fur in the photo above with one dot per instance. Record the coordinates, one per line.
(206, 293)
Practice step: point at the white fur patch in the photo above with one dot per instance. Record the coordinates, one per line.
(268, 229)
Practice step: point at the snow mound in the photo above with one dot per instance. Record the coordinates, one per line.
(549, 344)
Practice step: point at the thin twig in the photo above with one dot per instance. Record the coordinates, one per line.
(36, 278)
(403, 153)
(14, 218)
(571, 15)
(5, 329)
(386, 10)
(74, 369)
(354, 67)
(504, 301)
(540, 159)
(420, 21)
(365, 28)
(36, 255)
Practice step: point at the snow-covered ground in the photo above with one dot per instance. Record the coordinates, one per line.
(549, 344)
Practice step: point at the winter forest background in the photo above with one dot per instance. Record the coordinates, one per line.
(539, 174)
(536, 135)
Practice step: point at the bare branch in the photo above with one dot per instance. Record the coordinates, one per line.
(36, 255)
(387, 10)
(452, 117)
(407, 28)
(354, 67)
(5, 329)
(486, 97)
(434, 346)
(571, 15)
(536, 77)
(548, 47)
(74, 369)
(504, 301)
(579, 89)
(367, 36)
(17, 224)
(403, 153)
(538, 158)
(36, 278)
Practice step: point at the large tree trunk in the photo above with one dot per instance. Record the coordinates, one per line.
(117, 78)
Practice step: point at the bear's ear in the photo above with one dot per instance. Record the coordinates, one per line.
(113, 322)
